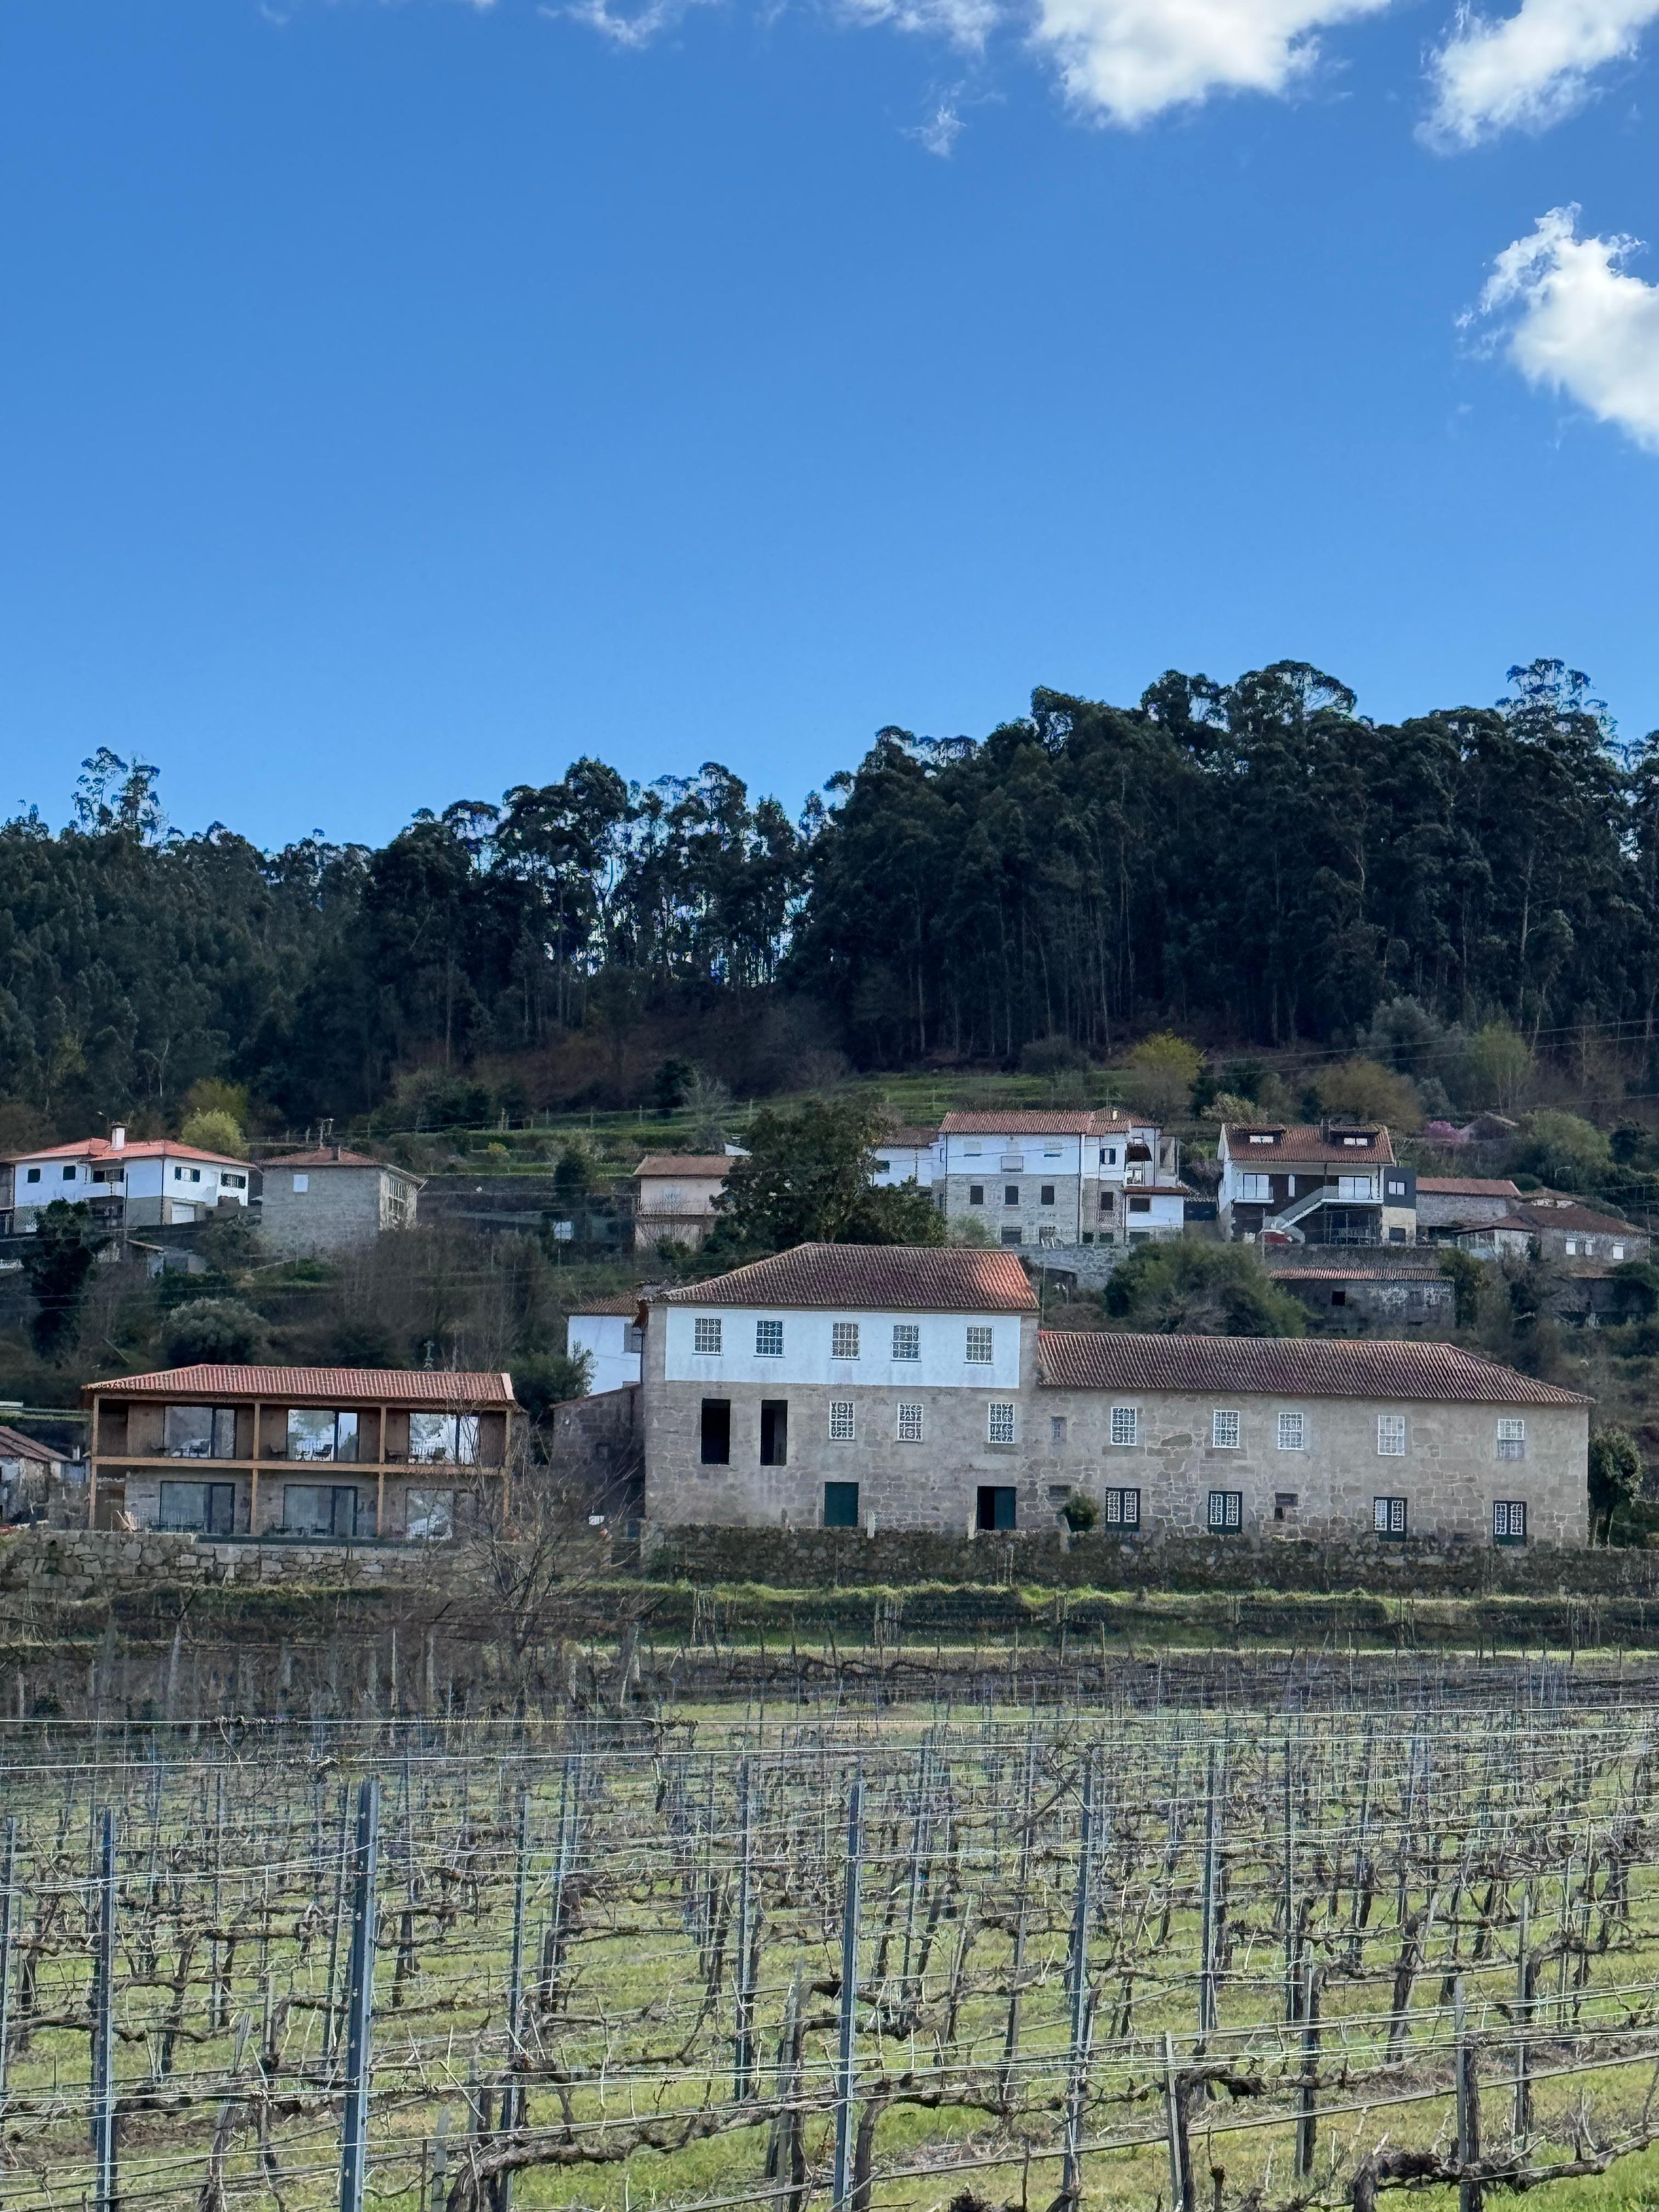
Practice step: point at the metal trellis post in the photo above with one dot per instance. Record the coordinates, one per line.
(360, 1999)
(841, 2193)
(103, 2031)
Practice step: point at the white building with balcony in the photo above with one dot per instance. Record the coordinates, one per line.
(146, 1184)
(1040, 1178)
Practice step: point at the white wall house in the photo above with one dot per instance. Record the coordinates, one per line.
(607, 1330)
(143, 1184)
(904, 1155)
(1041, 1178)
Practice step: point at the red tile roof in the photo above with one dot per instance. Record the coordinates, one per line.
(694, 1165)
(1300, 1140)
(323, 1386)
(1581, 1218)
(333, 1156)
(14, 1444)
(626, 1302)
(1016, 1121)
(881, 1278)
(1320, 1264)
(1466, 1186)
(906, 1137)
(1284, 1367)
(148, 1148)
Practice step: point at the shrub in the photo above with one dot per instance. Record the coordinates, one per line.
(1563, 1149)
(1163, 1070)
(1080, 1513)
(214, 1130)
(217, 1330)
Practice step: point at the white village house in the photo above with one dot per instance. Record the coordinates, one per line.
(145, 1183)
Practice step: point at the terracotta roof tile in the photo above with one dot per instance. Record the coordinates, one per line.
(14, 1444)
(323, 1386)
(882, 1277)
(1583, 1219)
(1285, 1367)
(148, 1148)
(333, 1156)
(1017, 1121)
(694, 1165)
(1466, 1187)
(906, 1137)
(1319, 1263)
(626, 1302)
(1300, 1140)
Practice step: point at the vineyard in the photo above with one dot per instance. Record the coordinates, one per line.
(940, 1955)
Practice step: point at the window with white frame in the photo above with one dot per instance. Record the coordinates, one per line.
(1355, 1187)
(1391, 1436)
(1573, 1247)
(1511, 1439)
(1052, 1153)
(1255, 1187)
(843, 1339)
(706, 1337)
(909, 1422)
(840, 1420)
(1126, 1424)
(1292, 1432)
(1509, 1521)
(769, 1339)
(1226, 1428)
(1226, 1511)
(999, 1422)
(1122, 1508)
(1618, 1251)
(907, 1340)
(1387, 1517)
(979, 1348)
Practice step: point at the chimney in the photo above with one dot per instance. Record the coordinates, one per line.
(117, 1137)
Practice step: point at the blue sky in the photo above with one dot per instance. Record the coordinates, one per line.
(401, 397)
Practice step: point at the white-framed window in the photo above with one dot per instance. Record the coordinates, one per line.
(1226, 1511)
(1056, 1428)
(1511, 1439)
(843, 1339)
(1355, 1187)
(1387, 1517)
(907, 1340)
(1292, 1432)
(1255, 1187)
(999, 1422)
(909, 1422)
(1391, 1436)
(1509, 1521)
(1122, 1508)
(978, 1353)
(1618, 1251)
(302, 1184)
(769, 1339)
(1573, 1247)
(1126, 1424)
(1051, 1152)
(1226, 1429)
(1260, 1137)
(840, 1420)
(706, 1337)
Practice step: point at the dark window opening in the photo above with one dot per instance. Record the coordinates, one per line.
(1047, 1193)
(1010, 1193)
(841, 1505)
(976, 1194)
(1339, 1297)
(1140, 1205)
(996, 1505)
(774, 1433)
(717, 1432)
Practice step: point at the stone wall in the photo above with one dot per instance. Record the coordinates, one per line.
(71, 1565)
(826, 1558)
(339, 1209)
(598, 1443)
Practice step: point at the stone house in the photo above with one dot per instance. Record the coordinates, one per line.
(28, 1469)
(326, 1452)
(899, 1388)
(1447, 1206)
(1559, 1228)
(1058, 1178)
(674, 1195)
(1404, 1288)
(1338, 1184)
(330, 1200)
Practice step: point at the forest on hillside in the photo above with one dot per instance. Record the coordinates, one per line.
(1256, 862)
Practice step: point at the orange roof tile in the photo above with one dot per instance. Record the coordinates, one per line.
(322, 1386)
(1284, 1367)
(1300, 1140)
(693, 1165)
(884, 1278)
(148, 1148)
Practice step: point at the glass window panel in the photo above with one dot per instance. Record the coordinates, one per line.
(431, 1436)
(188, 1432)
(345, 1436)
(429, 1516)
(184, 1505)
(310, 1433)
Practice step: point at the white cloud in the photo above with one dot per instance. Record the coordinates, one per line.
(965, 22)
(1572, 318)
(645, 24)
(1131, 59)
(1526, 70)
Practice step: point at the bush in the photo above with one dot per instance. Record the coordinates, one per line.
(1052, 1055)
(1163, 1070)
(1615, 1475)
(1182, 1288)
(214, 1130)
(1080, 1513)
(220, 1331)
(1364, 1091)
(1563, 1149)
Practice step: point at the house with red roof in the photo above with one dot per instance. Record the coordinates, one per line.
(904, 1386)
(146, 1182)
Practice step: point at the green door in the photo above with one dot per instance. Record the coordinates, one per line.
(841, 1505)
